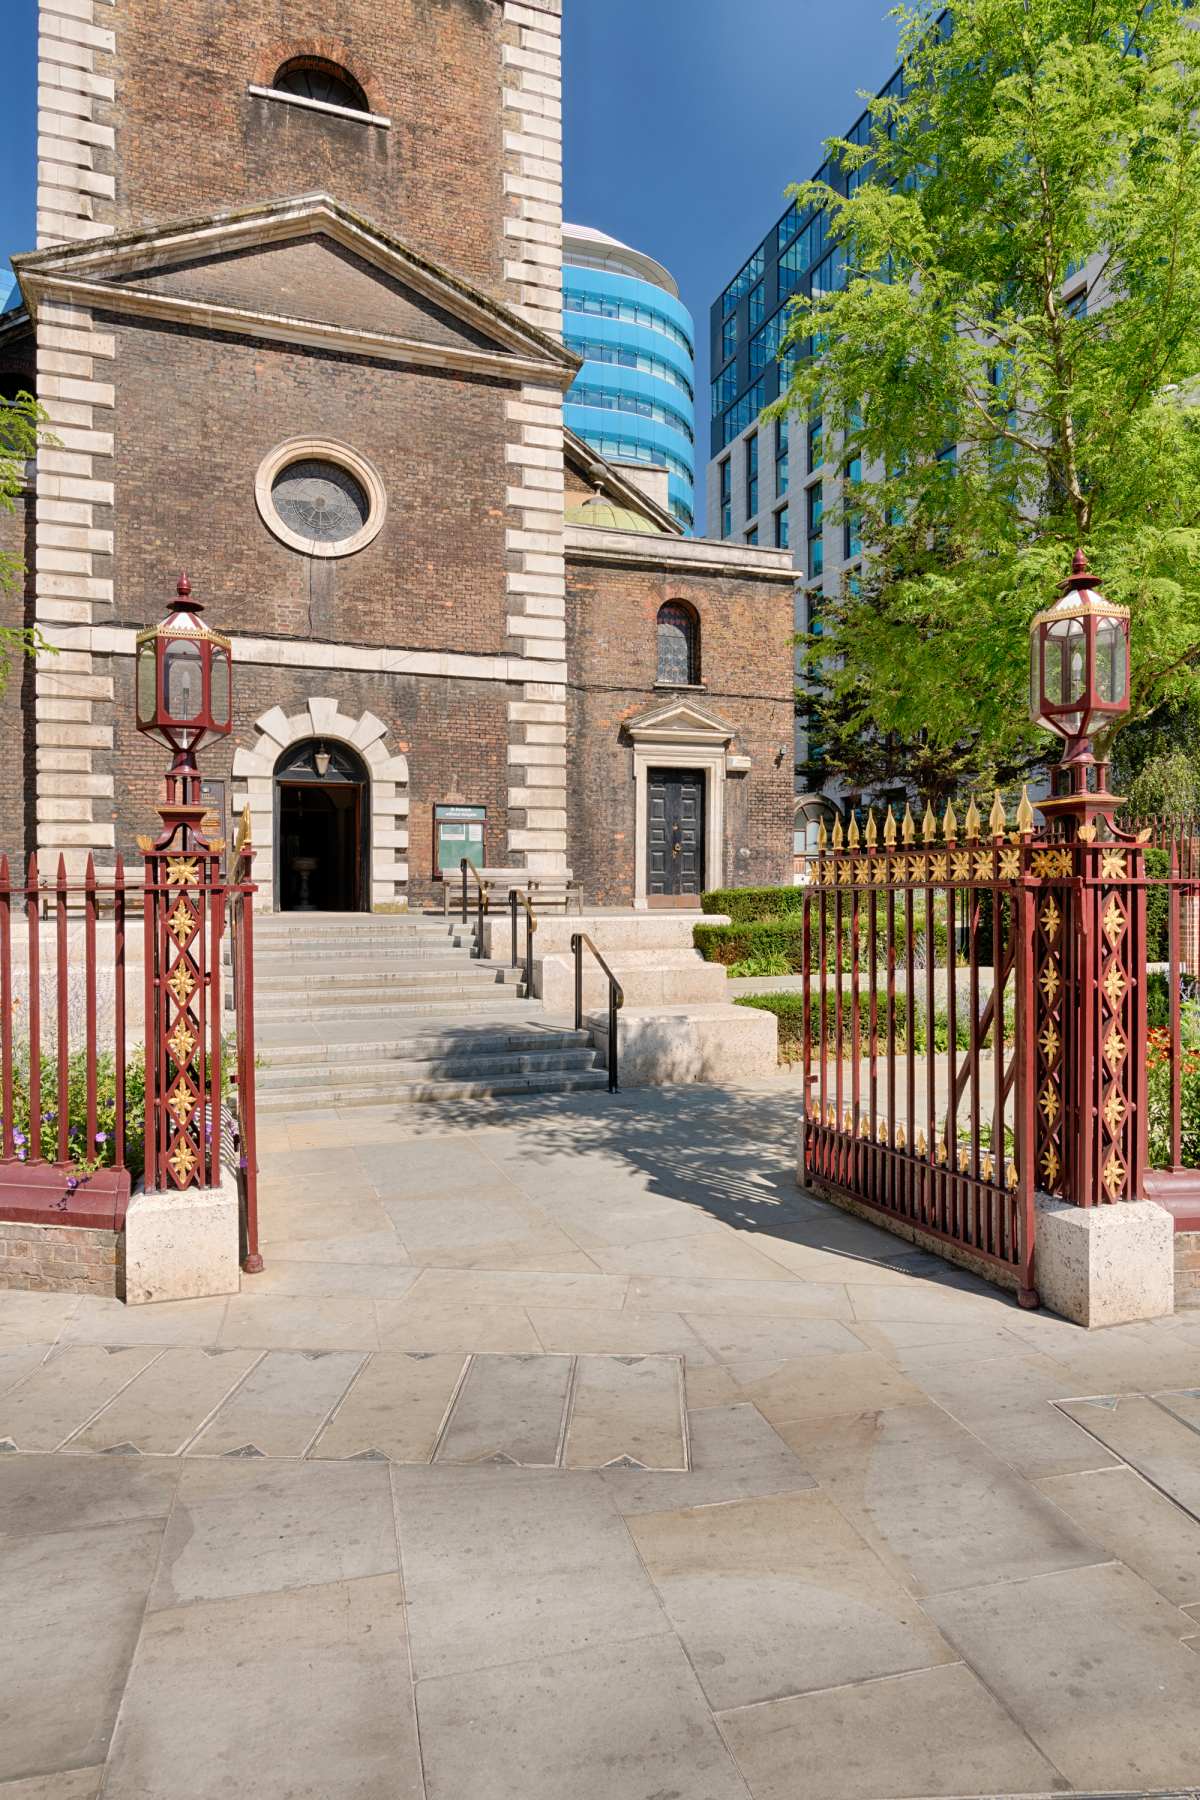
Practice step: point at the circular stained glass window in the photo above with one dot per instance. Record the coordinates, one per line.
(320, 501)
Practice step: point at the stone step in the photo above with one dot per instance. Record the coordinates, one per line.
(302, 1099)
(321, 978)
(427, 1046)
(468, 1066)
(447, 999)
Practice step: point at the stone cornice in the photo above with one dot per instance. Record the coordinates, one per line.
(112, 259)
(207, 315)
(679, 555)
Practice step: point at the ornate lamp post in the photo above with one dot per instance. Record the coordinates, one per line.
(1078, 681)
(183, 701)
(184, 695)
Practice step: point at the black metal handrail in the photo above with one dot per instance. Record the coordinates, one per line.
(616, 1000)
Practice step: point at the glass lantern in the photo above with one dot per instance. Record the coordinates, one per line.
(1079, 662)
(183, 680)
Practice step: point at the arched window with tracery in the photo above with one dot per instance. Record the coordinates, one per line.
(678, 645)
(313, 78)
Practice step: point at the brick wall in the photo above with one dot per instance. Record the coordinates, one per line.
(60, 1259)
(1187, 1268)
(745, 631)
(193, 141)
(454, 733)
(196, 417)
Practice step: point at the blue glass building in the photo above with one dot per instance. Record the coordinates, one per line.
(634, 398)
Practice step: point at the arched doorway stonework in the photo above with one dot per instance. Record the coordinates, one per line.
(254, 784)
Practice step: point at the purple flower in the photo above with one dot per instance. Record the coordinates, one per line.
(102, 1137)
(72, 1184)
(19, 1137)
(20, 1156)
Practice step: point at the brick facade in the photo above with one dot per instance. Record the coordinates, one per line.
(223, 273)
(61, 1259)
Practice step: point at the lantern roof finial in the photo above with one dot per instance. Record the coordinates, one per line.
(183, 587)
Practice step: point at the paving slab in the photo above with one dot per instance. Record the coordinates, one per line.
(806, 1387)
(735, 1455)
(718, 1254)
(34, 1318)
(44, 1494)
(732, 1339)
(747, 1299)
(16, 1364)
(501, 1565)
(256, 1527)
(778, 1596)
(937, 1505)
(592, 1330)
(321, 1707)
(441, 1324)
(1137, 1525)
(1009, 1403)
(1090, 1663)
(395, 1409)
(934, 1732)
(289, 1322)
(1153, 1440)
(627, 1409)
(98, 1320)
(366, 1250)
(1182, 1404)
(281, 1405)
(164, 1407)
(64, 1392)
(622, 1720)
(72, 1604)
(73, 1784)
(513, 1287)
(511, 1409)
(303, 1277)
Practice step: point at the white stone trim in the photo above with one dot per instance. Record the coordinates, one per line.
(354, 113)
(74, 196)
(302, 449)
(254, 785)
(679, 735)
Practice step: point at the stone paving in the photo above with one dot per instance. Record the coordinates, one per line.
(566, 1448)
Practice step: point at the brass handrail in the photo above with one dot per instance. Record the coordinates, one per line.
(616, 1000)
(516, 895)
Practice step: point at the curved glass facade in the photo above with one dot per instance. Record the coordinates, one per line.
(634, 398)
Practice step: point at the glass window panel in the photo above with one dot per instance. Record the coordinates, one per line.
(219, 701)
(181, 673)
(146, 682)
(678, 645)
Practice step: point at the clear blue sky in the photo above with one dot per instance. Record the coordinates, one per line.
(685, 121)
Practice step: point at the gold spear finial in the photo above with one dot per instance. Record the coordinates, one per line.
(822, 836)
(872, 833)
(998, 818)
(1025, 813)
(950, 823)
(908, 831)
(852, 836)
(929, 824)
(838, 839)
(972, 823)
(889, 829)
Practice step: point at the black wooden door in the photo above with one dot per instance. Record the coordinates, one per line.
(675, 847)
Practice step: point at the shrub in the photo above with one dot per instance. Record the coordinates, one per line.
(1158, 1094)
(750, 903)
(789, 1010)
(781, 940)
(101, 1153)
(772, 963)
(1158, 864)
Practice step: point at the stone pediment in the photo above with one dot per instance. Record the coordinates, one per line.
(301, 271)
(680, 722)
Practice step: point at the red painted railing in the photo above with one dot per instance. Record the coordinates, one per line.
(84, 1108)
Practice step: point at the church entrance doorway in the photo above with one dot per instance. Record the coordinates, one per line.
(675, 837)
(322, 843)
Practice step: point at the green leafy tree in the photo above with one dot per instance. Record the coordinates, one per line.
(20, 428)
(998, 428)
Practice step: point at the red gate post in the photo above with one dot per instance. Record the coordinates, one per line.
(1106, 1255)
(183, 700)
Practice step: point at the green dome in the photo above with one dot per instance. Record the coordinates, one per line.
(605, 515)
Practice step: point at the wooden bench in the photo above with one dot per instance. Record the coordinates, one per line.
(543, 889)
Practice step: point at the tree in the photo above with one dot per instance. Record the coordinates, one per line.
(996, 427)
(20, 426)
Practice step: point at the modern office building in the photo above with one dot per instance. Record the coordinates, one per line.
(634, 398)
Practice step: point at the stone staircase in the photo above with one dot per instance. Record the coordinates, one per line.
(378, 1009)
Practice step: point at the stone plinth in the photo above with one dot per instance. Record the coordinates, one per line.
(1105, 1265)
(183, 1246)
(663, 1046)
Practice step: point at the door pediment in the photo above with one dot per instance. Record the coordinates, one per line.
(681, 722)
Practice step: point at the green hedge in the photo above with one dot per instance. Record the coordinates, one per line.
(789, 1010)
(749, 903)
(754, 940)
(1158, 863)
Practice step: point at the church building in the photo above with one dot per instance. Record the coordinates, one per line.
(295, 319)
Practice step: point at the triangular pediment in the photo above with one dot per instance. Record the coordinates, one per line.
(298, 268)
(679, 722)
